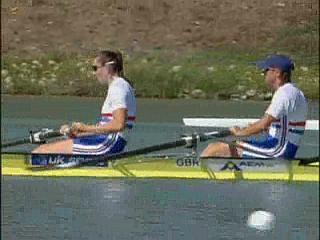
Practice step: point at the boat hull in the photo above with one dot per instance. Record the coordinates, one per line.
(14, 165)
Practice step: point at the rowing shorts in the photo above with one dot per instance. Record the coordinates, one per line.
(269, 148)
(99, 144)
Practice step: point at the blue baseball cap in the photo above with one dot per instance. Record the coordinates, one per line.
(282, 62)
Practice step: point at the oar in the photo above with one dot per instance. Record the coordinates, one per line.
(184, 141)
(16, 142)
(80, 161)
(37, 137)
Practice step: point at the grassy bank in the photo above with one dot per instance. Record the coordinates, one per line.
(212, 73)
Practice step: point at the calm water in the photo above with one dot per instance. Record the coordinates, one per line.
(88, 208)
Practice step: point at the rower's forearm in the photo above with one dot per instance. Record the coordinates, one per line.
(252, 129)
(103, 129)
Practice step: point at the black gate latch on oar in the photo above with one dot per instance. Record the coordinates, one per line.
(41, 136)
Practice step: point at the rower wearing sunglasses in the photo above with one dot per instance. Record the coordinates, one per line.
(118, 112)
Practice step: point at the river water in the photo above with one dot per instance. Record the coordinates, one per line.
(89, 208)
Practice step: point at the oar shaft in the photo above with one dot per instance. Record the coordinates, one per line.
(146, 150)
(15, 143)
(38, 137)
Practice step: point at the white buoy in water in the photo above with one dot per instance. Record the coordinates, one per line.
(261, 220)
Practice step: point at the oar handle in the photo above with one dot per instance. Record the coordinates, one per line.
(211, 135)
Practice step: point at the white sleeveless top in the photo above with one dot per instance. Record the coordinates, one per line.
(290, 108)
(120, 95)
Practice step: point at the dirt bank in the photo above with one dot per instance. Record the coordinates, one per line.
(41, 26)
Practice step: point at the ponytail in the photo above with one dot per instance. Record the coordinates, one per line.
(107, 56)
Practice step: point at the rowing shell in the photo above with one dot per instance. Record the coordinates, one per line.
(183, 167)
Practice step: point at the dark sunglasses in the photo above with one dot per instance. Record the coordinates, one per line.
(95, 67)
(265, 71)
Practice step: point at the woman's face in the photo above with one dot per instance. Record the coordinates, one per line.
(102, 72)
(271, 76)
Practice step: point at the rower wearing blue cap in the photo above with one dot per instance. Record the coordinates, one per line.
(284, 119)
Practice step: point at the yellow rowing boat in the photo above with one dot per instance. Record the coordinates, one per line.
(141, 167)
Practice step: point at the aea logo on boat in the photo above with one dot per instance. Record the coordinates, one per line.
(230, 166)
(242, 164)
